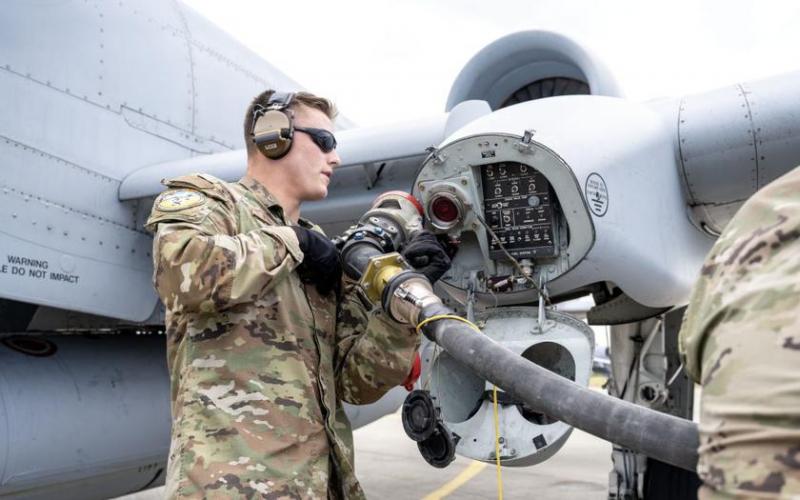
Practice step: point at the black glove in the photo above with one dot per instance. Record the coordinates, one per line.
(321, 265)
(427, 256)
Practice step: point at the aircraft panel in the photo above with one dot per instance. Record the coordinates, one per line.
(53, 174)
(224, 129)
(64, 126)
(33, 32)
(98, 404)
(777, 124)
(50, 255)
(154, 76)
(208, 37)
(726, 149)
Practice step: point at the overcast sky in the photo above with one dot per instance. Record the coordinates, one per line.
(385, 61)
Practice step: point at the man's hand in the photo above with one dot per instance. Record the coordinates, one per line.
(427, 256)
(321, 265)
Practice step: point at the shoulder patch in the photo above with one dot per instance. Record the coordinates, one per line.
(180, 199)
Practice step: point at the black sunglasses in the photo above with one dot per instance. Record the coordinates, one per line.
(324, 139)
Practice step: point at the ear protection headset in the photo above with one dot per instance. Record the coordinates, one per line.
(273, 125)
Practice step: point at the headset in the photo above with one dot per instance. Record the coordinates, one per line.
(273, 125)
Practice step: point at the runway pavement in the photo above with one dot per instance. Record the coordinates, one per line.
(390, 467)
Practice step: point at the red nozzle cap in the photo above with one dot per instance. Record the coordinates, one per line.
(405, 195)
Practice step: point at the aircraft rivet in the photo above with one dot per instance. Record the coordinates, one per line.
(463, 182)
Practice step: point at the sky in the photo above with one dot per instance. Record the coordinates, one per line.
(386, 61)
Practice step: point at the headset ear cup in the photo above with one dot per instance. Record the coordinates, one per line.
(272, 134)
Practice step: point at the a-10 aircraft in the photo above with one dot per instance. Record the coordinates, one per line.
(549, 184)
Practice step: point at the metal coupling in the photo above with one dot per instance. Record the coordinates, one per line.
(406, 295)
(380, 270)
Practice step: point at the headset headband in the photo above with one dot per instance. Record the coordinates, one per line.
(280, 100)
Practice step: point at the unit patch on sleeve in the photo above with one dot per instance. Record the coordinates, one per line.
(181, 199)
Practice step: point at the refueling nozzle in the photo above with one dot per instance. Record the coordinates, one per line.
(370, 255)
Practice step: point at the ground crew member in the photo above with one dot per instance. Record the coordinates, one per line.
(264, 339)
(741, 340)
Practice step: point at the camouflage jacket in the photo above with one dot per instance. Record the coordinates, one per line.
(260, 362)
(740, 339)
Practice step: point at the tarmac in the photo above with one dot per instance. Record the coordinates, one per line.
(390, 467)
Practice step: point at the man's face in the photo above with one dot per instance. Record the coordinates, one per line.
(309, 169)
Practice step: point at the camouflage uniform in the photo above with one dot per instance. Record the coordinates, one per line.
(260, 362)
(741, 341)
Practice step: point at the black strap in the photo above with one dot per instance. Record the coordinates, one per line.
(280, 100)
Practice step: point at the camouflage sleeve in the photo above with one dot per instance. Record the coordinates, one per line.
(692, 335)
(749, 273)
(374, 353)
(202, 267)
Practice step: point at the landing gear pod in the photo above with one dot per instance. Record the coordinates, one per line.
(562, 344)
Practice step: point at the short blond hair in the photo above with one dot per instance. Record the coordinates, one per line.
(301, 98)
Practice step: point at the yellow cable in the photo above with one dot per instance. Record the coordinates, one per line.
(497, 445)
(446, 316)
(494, 398)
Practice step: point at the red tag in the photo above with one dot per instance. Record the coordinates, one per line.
(413, 375)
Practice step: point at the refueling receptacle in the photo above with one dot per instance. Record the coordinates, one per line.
(516, 210)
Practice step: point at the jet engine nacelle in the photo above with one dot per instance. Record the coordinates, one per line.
(530, 65)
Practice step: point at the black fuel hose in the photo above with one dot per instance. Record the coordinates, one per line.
(658, 435)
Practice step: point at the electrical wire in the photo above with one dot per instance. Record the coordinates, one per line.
(675, 375)
(514, 261)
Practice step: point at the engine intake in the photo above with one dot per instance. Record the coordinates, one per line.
(531, 65)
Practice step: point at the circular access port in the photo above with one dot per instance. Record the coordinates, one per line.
(444, 210)
(648, 393)
(558, 360)
(31, 346)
